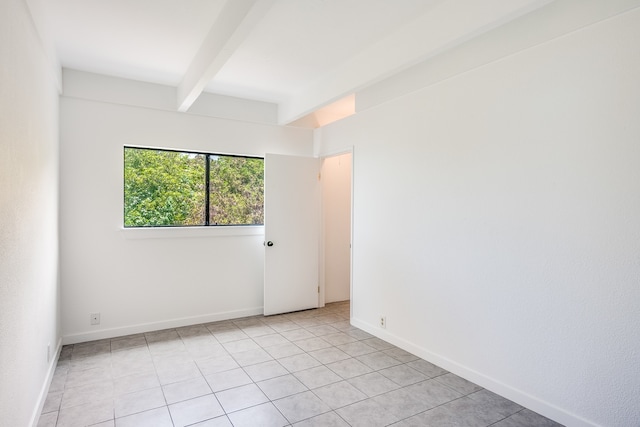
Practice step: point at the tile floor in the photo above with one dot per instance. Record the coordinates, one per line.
(308, 368)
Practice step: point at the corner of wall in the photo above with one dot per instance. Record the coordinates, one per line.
(44, 391)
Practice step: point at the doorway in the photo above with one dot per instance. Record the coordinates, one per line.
(336, 228)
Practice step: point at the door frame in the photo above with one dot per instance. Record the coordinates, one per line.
(321, 261)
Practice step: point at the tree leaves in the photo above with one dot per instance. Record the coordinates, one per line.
(167, 188)
(236, 190)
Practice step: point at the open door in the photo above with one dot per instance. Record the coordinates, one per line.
(292, 231)
(335, 271)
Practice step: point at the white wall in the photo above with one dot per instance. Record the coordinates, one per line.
(97, 87)
(141, 280)
(497, 223)
(336, 213)
(29, 291)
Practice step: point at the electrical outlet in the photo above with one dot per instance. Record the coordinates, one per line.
(383, 322)
(95, 318)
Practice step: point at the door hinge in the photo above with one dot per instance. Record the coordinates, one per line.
(318, 289)
(319, 176)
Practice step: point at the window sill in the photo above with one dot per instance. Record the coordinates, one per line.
(189, 232)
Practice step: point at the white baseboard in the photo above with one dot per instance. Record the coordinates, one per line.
(518, 396)
(156, 326)
(44, 391)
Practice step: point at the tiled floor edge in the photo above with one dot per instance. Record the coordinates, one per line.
(122, 331)
(523, 398)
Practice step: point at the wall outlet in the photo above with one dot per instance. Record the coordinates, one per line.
(383, 322)
(95, 318)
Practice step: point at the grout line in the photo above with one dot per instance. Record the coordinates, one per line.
(317, 322)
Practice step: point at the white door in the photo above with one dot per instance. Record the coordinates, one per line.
(292, 231)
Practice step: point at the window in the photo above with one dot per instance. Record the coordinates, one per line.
(180, 188)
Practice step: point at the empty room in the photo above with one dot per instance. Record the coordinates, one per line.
(319, 213)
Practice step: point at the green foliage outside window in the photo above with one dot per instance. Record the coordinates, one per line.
(168, 188)
(236, 188)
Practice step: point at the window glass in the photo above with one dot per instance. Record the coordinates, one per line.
(236, 190)
(169, 188)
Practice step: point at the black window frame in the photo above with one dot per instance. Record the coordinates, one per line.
(207, 188)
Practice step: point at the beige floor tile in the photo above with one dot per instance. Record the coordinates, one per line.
(308, 368)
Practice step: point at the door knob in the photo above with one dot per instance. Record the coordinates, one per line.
(269, 243)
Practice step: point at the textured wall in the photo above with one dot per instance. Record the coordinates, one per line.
(28, 216)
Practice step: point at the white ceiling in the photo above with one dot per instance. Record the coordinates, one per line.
(148, 40)
(298, 41)
(300, 54)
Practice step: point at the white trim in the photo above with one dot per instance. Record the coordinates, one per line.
(155, 326)
(518, 396)
(181, 232)
(353, 189)
(44, 391)
(321, 273)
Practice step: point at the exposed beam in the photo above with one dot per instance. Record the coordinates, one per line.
(447, 24)
(236, 20)
(333, 112)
